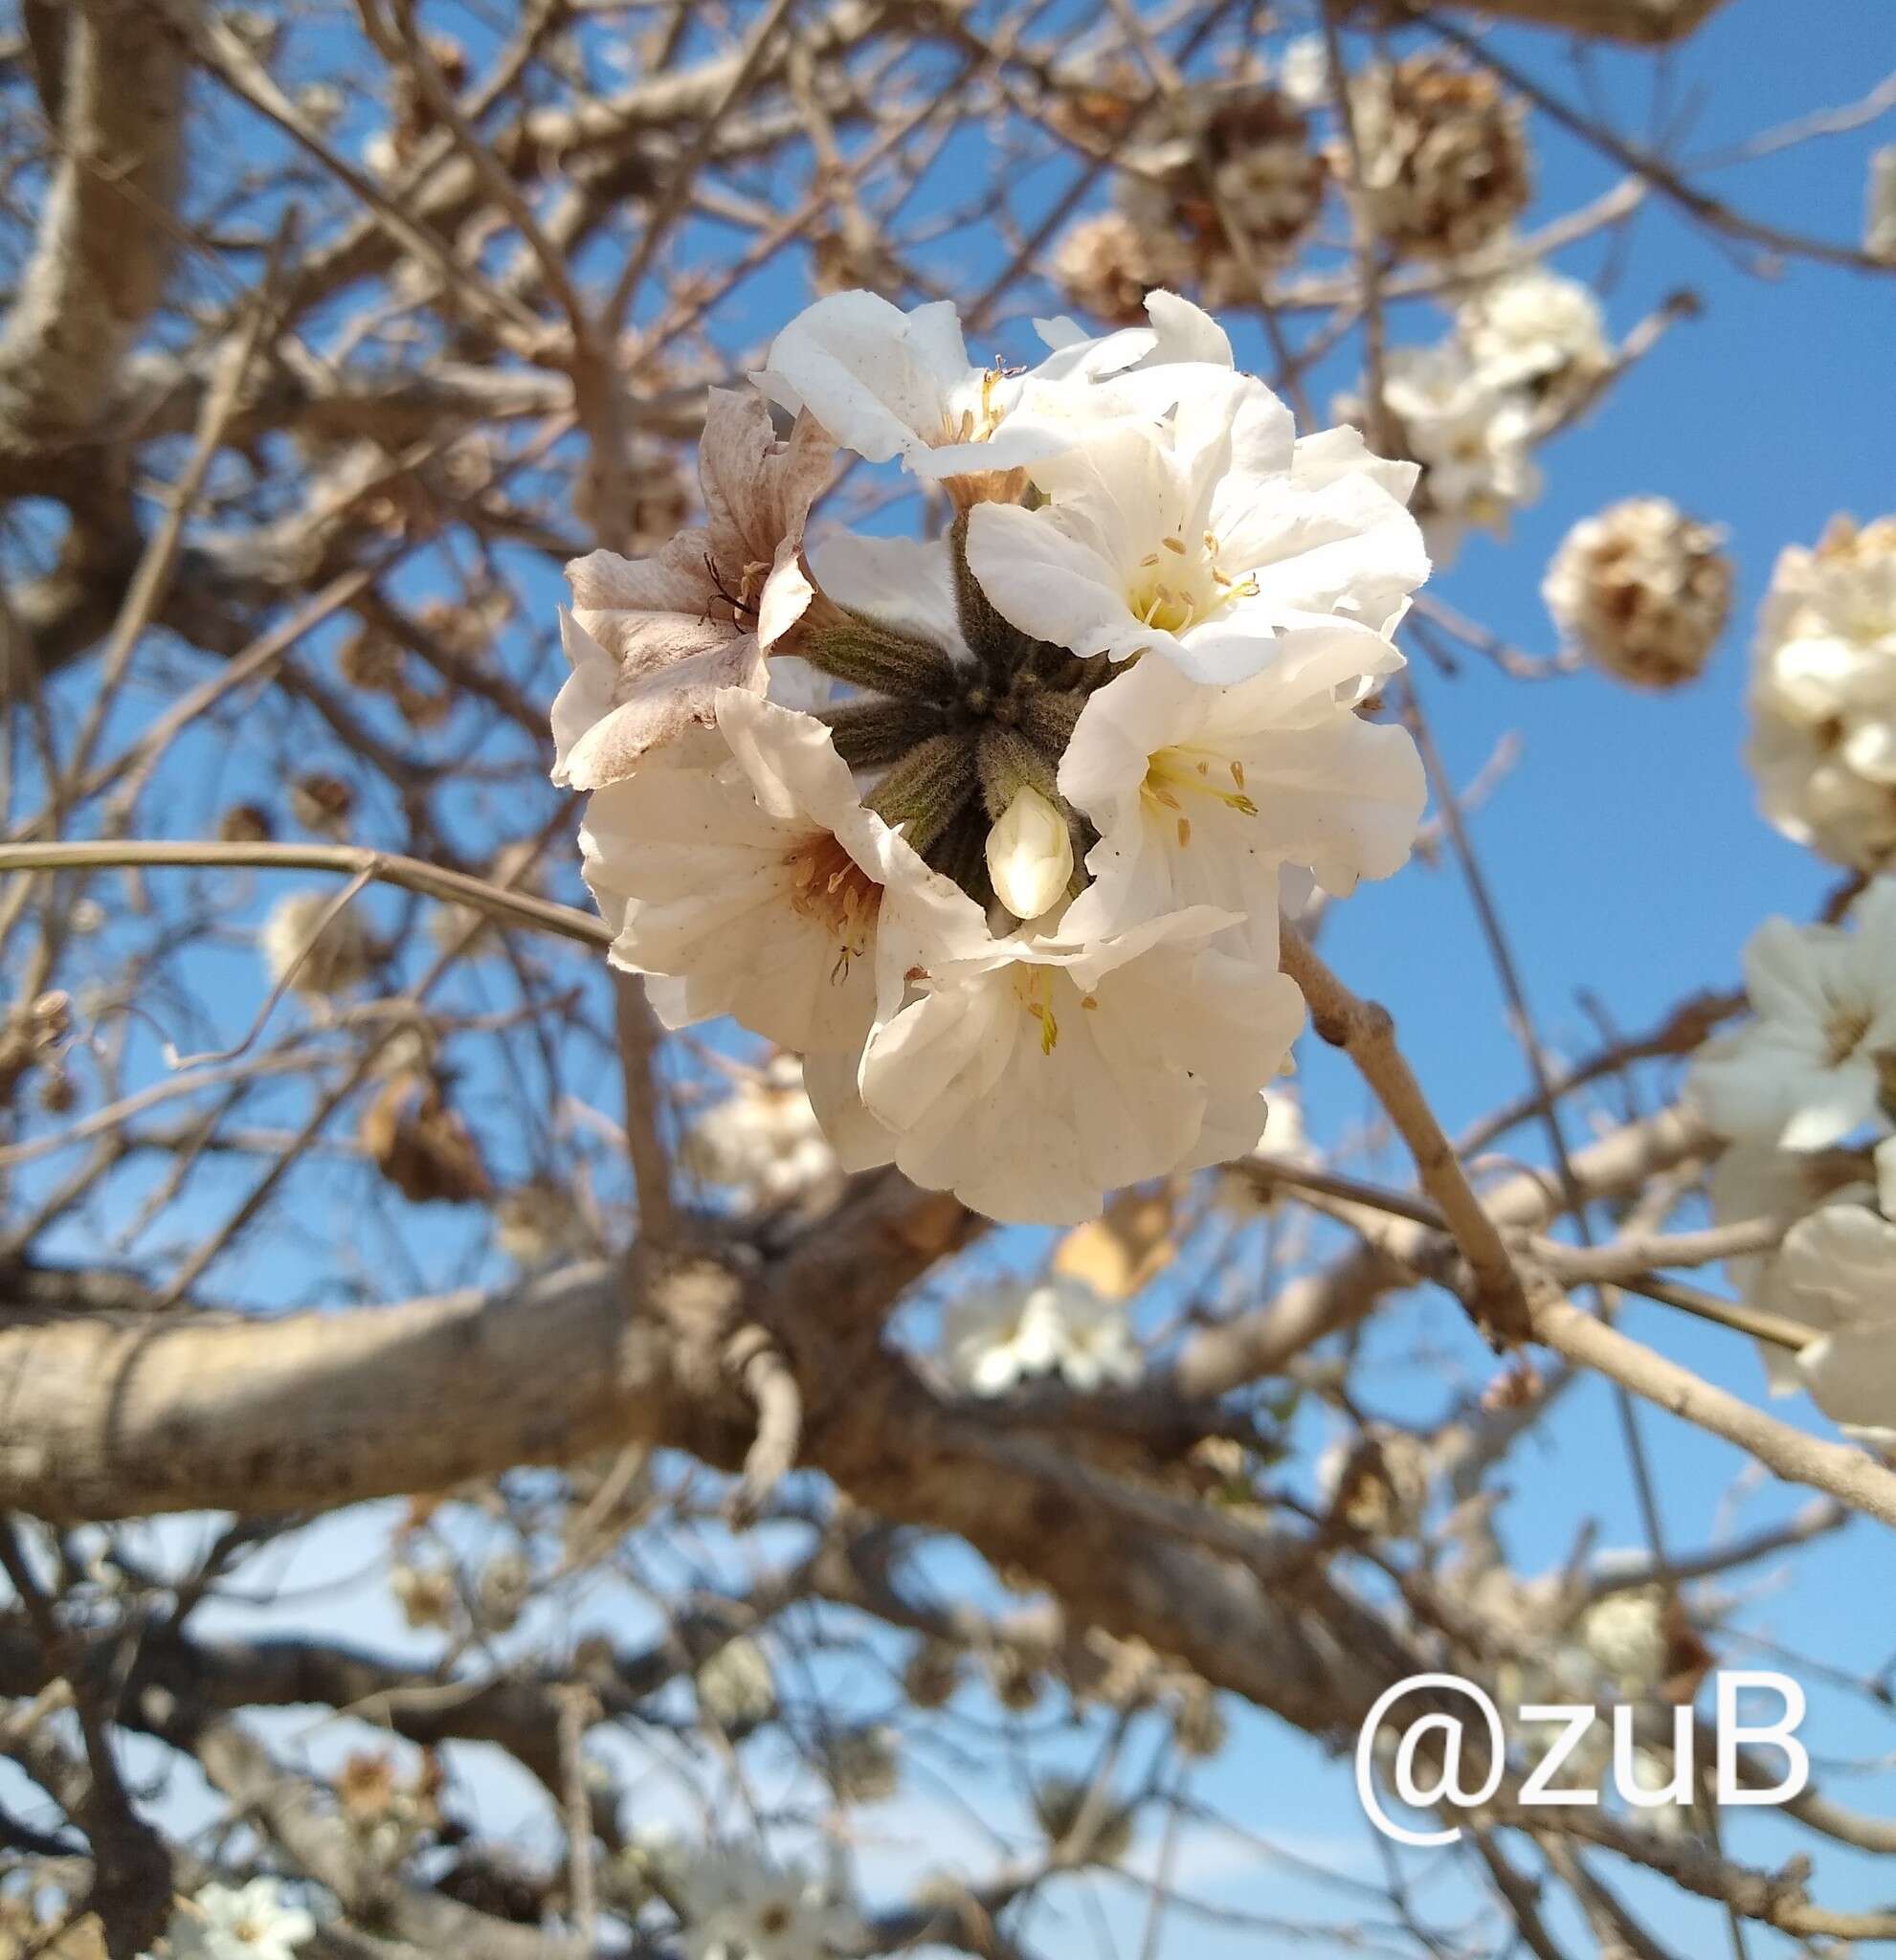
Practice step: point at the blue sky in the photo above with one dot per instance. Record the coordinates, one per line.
(1623, 848)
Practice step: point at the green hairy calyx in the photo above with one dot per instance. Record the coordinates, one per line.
(956, 734)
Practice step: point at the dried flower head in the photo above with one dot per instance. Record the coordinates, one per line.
(736, 1690)
(1642, 589)
(323, 802)
(319, 955)
(931, 1674)
(862, 1765)
(1444, 155)
(1097, 1831)
(1107, 266)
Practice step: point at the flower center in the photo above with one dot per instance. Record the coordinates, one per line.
(1845, 1031)
(977, 422)
(773, 1922)
(1179, 586)
(828, 884)
(1177, 778)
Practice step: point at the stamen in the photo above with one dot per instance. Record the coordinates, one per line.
(826, 883)
(1176, 773)
(1034, 985)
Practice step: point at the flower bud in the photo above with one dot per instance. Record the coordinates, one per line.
(1030, 855)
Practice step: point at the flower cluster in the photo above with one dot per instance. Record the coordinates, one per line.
(1815, 1070)
(1642, 589)
(989, 827)
(1528, 346)
(1823, 695)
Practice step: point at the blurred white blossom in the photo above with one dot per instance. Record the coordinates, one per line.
(1816, 1063)
(251, 1922)
(1534, 328)
(762, 1139)
(739, 1905)
(995, 1337)
(1823, 695)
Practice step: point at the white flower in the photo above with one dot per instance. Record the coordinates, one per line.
(1807, 789)
(764, 1138)
(1643, 589)
(317, 960)
(994, 1337)
(736, 1690)
(1030, 855)
(1879, 215)
(1472, 437)
(1303, 71)
(653, 641)
(1200, 794)
(753, 881)
(1533, 325)
(243, 1923)
(1807, 1071)
(738, 1905)
(1823, 693)
(1037, 1073)
(1840, 1268)
(1624, 1634)
(889, 383)
(998, 1336)
(1754, 1181)
(1198, 536)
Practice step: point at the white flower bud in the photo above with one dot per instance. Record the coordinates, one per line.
(1030, 855)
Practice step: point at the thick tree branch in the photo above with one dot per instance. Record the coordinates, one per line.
(106, 241)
